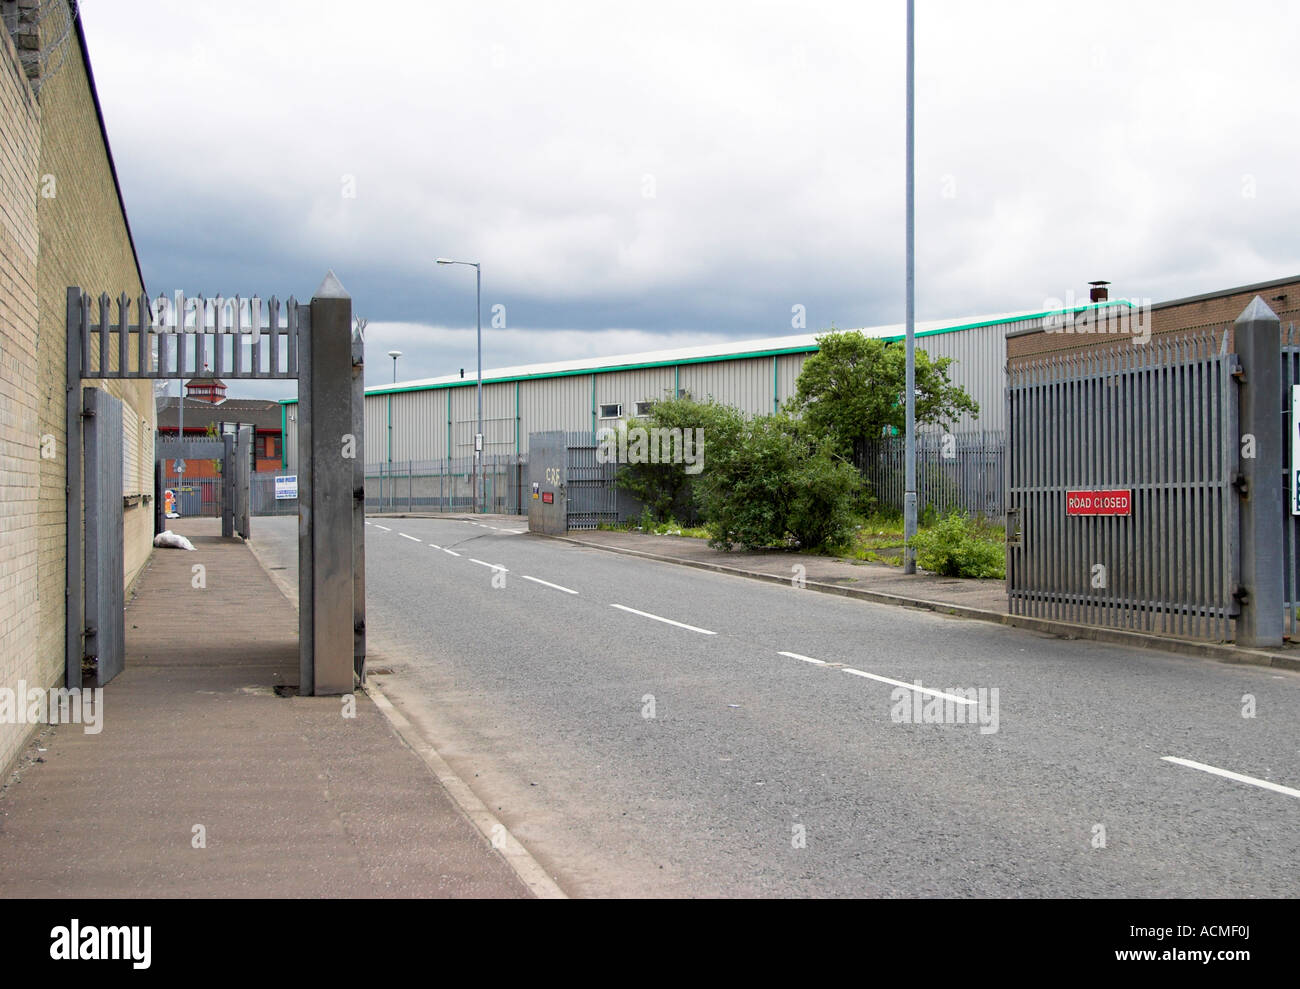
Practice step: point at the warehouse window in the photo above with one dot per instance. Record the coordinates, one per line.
(644, 408)
(614, 411)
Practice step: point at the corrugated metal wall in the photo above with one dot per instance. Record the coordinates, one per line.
(547, 404)
(626, 388)
(511, 410)
(745, 384)
(980, 357)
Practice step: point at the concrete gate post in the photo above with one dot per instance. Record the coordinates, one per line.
(1257, 334)
(228, 470)
(334, 448)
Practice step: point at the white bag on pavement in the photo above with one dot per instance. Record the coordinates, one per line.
(170, 540)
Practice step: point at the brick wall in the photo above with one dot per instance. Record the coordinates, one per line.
(1216, 310)
(62, 225)
(19, 434)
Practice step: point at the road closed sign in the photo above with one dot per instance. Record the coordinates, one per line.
(1114, 501)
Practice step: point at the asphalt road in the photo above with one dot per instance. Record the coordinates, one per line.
(755, 742)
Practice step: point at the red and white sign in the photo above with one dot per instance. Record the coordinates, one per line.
(1117, 501)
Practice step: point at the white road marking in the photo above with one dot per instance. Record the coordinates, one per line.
(909, 686)
(806, 659)
(538, 580)
(666, 621)
(451, 551)
(490, 566)
(1229, 775)
(384, 527)
(405, 536)
(435, 545)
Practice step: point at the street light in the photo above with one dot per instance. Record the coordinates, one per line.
(394, 354)
(478, 321)
(909, 420)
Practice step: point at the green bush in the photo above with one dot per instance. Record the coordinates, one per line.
(774, 485)
(959, 547)
(666, 489)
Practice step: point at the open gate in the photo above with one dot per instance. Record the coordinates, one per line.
(232, 338)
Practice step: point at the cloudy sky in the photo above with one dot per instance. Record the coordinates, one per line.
(639, 176)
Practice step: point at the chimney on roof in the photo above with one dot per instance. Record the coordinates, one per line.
(1099, 292)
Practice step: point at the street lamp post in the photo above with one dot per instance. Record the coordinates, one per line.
(394, 354)
(909, 421)
(478, 322)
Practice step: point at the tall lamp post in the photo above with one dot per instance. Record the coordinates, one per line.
(909, 386)
(394, 354)
(478, 322)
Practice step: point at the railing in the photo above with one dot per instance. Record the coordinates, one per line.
(447, 485)
(957, 471)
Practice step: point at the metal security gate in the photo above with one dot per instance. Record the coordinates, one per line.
(592, 494)
(105, 600)
(1159, 421)
(242, 339)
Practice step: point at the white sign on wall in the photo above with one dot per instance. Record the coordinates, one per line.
(286, 487)
(1295, 449)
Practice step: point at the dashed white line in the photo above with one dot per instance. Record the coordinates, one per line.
(490, 566)
(451, 551)
(435, 545)
(405, 536)
(806, 659)
(909, 686)
(1229, 775)
(666, 621)
(384, 527)
(538, 580)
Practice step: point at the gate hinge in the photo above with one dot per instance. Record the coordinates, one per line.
(1241, 595)
(1239, 372)
(1241, 484)
(359, 627)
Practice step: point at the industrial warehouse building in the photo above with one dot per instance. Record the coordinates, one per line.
(435, 419)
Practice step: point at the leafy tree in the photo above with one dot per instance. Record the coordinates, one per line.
(852, 389)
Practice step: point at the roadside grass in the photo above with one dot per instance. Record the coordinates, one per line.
(669, 528)
(954, 546)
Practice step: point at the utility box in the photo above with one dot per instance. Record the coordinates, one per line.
(547, 482)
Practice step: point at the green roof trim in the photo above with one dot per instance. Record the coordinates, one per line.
(738, 356)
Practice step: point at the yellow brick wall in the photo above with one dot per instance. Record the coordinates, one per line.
(19, 434)
(61, 224)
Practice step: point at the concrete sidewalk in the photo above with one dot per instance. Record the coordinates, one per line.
(203, 735)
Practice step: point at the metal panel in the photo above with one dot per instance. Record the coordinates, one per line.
(78, 354)
(548, 475)
(243, 470)
(105, 600)
(331, 490)
(359, 507)
(1290, 522)
(1160, 421)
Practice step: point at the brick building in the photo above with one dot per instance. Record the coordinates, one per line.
(62, 222)
(1166, 320)
(209, 413)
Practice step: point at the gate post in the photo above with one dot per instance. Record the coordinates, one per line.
(243, 479)
(1257, 335)
(359, 507)
(334, 448)
(228, 468)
